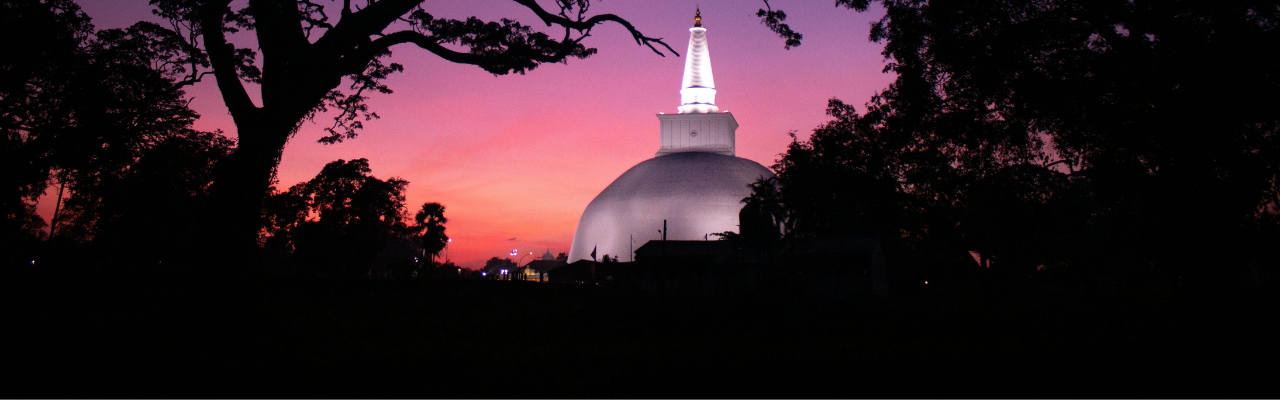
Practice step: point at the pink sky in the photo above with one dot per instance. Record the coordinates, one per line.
(520, 156)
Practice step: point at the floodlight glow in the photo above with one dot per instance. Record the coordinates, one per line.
(695, 181)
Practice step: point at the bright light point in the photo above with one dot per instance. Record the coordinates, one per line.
(926, 282)
(33, 262)
(484, 273)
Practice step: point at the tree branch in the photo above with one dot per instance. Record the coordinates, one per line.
(488, 63)
(355, 27)
(774, 20)
(586, 25)
(222, 58)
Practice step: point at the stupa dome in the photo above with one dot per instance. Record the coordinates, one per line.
(697, 193)
(696, 182)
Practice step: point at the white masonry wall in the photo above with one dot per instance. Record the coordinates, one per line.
(708, 133)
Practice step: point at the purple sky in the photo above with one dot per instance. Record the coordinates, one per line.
(520, 156)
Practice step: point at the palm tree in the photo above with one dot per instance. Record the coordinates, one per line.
(431, 221)
(766, 198)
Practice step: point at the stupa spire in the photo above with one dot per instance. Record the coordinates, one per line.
(698, 88)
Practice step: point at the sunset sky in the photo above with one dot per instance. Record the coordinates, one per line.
(515, 159)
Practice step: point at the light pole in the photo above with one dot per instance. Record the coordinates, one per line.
(513, 254)
(522, 260)
(446, 249)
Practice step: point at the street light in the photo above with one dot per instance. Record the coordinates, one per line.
(446, 249)
(522, 260)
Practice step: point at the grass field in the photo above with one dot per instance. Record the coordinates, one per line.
(119, 336)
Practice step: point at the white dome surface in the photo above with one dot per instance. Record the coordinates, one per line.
(697, 193)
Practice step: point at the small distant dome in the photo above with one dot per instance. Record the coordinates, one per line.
(548, 256)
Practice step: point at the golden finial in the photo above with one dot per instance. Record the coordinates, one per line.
(697, 17)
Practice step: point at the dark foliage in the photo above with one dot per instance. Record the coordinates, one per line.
(494, 266)
(431, 222)
(1115, 136)
(151, 215)
(34, 91)
(344, 223)
(101, 115)
(313, 55)
(774, 19)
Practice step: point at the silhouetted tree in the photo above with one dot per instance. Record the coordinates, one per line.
(494, 266)
(148, 217)
(283, 212)
(314, 63)
(38, 71)
(86, 110)
(358, 216)
(431, 222)
(133, 104)
(849, 178)
(1123, 117)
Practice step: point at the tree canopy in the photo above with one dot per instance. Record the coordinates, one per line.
(346, 222)
(1134, 133)
(315, 57)
(431, 222)
(102, 115)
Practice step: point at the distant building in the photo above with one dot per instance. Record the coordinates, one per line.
(695, 181)
(536, 270)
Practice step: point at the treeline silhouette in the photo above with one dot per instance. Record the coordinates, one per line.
(68, 78)
(1097, 144)
(1124, 142)
(101, 117)
(347, 223)
(1120, 142)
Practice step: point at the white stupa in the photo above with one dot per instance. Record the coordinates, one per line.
(695, 183)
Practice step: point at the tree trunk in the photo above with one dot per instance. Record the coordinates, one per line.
(240, 185)
(57, 206)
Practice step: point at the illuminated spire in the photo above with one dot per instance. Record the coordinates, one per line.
(698, 89)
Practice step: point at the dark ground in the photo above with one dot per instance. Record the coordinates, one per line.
(120, 336)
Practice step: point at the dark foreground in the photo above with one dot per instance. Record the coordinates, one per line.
(114, 336)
